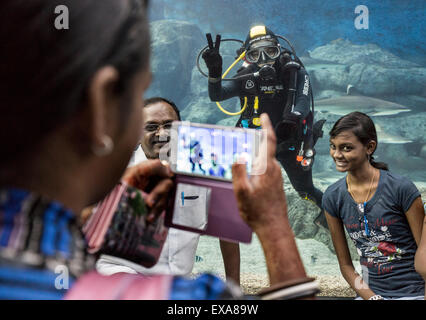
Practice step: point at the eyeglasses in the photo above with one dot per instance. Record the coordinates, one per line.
(154, 127)
(253, 55)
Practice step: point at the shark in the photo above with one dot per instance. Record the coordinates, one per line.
(309, 61)
(384, 137)
(353, 102)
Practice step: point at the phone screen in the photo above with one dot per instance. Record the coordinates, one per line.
(209, 151)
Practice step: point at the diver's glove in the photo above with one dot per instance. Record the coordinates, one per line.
(212, 57)
(290, 126)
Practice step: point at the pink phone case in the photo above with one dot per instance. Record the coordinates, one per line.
(224, 220)
(117, 227)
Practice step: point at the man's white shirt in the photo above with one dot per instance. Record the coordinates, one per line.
(178, 254)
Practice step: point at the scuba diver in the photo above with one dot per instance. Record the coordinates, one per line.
(272, 79)
(196, 156)
(216, 170)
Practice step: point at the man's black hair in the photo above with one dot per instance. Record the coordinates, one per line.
(160, 99)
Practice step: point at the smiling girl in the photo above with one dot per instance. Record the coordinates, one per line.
(381, 211)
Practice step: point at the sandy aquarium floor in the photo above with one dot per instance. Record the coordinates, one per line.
(318, 260)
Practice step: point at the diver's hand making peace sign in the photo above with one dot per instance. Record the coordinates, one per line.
(212, 57)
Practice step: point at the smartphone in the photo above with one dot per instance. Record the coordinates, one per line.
(201, 156)
(208, 151)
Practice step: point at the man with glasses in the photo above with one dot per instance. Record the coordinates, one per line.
(178, 254)
(273, 81)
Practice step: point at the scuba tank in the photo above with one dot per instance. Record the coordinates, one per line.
(305, 153)
(307, 134)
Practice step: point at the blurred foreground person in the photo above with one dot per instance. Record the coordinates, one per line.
(70, 117)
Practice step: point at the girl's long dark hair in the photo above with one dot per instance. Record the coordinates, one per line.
(363, 128)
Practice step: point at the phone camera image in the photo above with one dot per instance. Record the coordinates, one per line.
(211, 151)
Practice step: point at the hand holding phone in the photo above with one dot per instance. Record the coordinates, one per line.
(154, 178)
(129, 222)
(202, 155)
(118, 227)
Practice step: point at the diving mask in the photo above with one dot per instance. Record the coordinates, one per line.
(263, 51)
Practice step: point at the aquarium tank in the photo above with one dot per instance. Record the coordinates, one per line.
(370, 51)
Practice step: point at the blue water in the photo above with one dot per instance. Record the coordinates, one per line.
(398, 26)
(395, 26)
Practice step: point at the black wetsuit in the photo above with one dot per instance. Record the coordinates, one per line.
(272, 96)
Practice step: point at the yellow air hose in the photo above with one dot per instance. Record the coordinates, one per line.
(256, 119)
(245, 98)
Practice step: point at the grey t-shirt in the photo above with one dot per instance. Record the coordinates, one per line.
(387, 246)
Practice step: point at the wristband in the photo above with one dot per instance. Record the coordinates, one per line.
(376, 297)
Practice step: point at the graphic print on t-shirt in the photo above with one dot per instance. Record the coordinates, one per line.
(376, 250)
